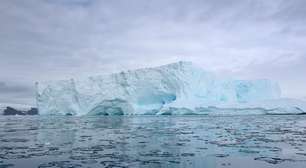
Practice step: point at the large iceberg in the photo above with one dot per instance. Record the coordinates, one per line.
(178, 88)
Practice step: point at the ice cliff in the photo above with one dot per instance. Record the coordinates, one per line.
(178, 88)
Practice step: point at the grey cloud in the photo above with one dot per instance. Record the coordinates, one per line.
(16, 93)
(55, 39)
(4, 88)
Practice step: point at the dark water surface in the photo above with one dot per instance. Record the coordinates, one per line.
(153, 141)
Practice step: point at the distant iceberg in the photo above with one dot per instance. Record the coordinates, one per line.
(17, 109)
(175, 89)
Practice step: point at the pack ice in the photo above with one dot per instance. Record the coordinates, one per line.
(178, 88)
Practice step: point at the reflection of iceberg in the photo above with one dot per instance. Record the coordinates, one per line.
(178, 88)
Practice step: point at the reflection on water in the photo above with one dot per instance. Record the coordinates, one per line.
(153, 141)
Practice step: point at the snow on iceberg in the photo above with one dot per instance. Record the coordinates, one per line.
(178, 88)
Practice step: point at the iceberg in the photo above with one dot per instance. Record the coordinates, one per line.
(17, 109)
(173, 89)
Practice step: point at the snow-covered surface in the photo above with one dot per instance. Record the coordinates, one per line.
(20, 107)
(178, 88)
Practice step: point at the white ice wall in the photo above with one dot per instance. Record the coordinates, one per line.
(149, 90)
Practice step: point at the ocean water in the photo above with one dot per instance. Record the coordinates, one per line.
(254, 141)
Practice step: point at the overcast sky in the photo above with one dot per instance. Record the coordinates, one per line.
(55, 39)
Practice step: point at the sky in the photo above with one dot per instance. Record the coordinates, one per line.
(57, 39)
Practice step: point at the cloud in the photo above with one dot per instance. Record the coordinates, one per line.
(55, 39)
(16, 93)
(4, 88)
